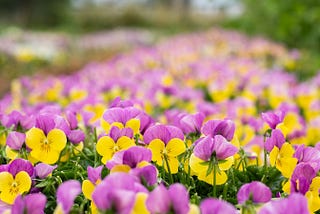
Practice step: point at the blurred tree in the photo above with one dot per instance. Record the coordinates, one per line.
(293, 22)
(38, 13)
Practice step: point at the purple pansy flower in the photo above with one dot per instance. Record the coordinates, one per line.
(94, 174)
(66, 193)
(31, 204)
(76, 136)
(15, 140)
(226, 128)
(308, 155)
(216, 206)
(256, 191)
(162, 200)
(163, 132)
(276, 139)
(19, 165)
(294, 204)
(191, 123)
(42, 170)
(273, 118)
(218, 144)
(302, 177)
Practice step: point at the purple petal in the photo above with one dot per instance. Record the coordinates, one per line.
(116, 159)
(15, 140)
(162, 132)
(148, 173)
(192, 123)
(35, 203)
(19, 165)
(276, 139)
(61, 123)
(76, 136)
(72, 119)
(42, 170)
(115, 133)
(223, 148)
(302, 177)
(179, 198)
(257, 191)
(294, 204)
(226, 128)
(45, 122)
(273, 118)
(94, 174)
(216, 206)
(159, 200)
(18, 206)
(204, 148)
(135, 155)
(67, 192)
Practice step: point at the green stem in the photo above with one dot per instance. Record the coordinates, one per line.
(169, 170)
(214, 191)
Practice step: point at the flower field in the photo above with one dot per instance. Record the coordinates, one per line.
(209, 122)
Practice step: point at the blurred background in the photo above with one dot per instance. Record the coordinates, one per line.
(61, 36)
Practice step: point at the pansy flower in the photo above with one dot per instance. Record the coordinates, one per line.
(211, 157)
(166, 143)
(118, 139)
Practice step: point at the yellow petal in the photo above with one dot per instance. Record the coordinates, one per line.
(196, 164)
(87, 189)
(226, 164)
(118, 124)
(313, 201)
(274, 155)
(286, 150)
(175, 147)
(140, 204)
(157, 146)
(315, 184)
(57, 139)
(194, 209)
(105, 125)
(287, 187)
(120, 168)
(105, 148)
(7, 196)
(24, 181)
(34, 137)
(134, 124)
(221, 177)
(286, 166)
(6, 180)
(11, 154)
(125, 142)
(45, 157)
(173, 164)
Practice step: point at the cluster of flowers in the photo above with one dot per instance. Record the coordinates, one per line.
(27, 46)
(208, 122)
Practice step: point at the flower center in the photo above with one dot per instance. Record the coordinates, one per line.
(45, 146)
(14, 189)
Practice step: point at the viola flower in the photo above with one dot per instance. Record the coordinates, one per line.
(276, 139)
(212, 155)
(283, 159)
(46, 148)
(121, 118)
(255, 191)
(175, 199)
(66, 193)
(13, 185)
(43, 170)
(88, 186)
(226, 128)
(216, 206)
(15, 140)
(191, 123)
(165, 143)
(117, 193)
(117, 140)
(295, 204)
(308, 155)
(136, 161)
(273, 118)
(32, 203)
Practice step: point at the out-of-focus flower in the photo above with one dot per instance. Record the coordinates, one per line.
(255, 191)
(216, 206)
(226, 128)
(66, 193)
(32, 203)
(175, 199)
